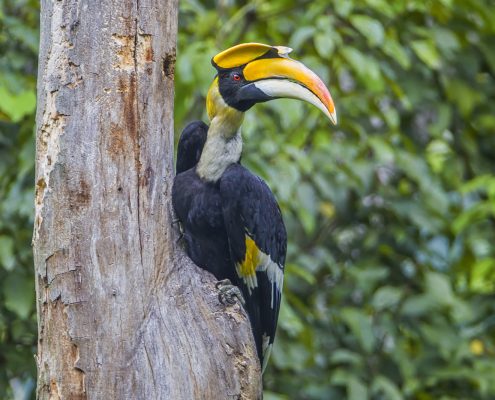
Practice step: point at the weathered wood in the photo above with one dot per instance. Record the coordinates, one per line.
(122, 312)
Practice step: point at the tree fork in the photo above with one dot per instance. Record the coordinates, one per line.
(122, 313)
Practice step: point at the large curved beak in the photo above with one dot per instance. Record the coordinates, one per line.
(283, 77)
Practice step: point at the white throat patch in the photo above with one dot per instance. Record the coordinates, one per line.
(219, 152)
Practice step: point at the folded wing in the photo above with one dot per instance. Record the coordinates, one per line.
(258, 244)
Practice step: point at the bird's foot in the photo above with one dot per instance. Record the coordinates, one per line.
(176, 221)
(228, 293)
(181, 236)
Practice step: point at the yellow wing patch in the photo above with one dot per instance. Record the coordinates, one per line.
(257, 261)
(247, 269)
(251, 259)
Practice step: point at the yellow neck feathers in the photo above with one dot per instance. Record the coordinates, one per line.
(224, 119)
(223, 145)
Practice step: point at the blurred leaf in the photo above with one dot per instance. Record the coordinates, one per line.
(324, 45)
(273, 396)
(295, 270)
(301, 35)
(361, 327)
(19, 294)
(438, 152)
(482, 278)
(387, 297)
(395, 50)
(290, 321)
(462, 94)
(418, 305)
(342, 356)
(369, 27)
(7, 258)
(386, 389)
(427, 52)
(356, 389)
(365, 67)
(439, 287)
(16, 106)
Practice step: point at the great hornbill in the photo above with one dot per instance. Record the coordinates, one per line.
(231, 221)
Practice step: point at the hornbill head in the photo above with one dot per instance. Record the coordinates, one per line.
(252, 73)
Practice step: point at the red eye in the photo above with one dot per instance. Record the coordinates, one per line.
(236, 77)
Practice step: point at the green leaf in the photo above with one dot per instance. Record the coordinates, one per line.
(365, 67)
(343, 356)
(387, 297)
(394, 49)
(307, 211)
(439, 288)
(289, 320)
(437, 154)
(19, 294)
(483, 276)
(385, 389)
(361, 327)
(17, 106)
(418, 305)
(300, 36)
(446, 41)
(7, 258)
(294, 269)
(464, 95)
(356, 389)
(267, 395)
(384, 152)
(324, 45)
(427, 52)
(370, 28)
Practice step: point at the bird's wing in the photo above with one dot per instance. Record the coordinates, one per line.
(191, 143)
(258, 245)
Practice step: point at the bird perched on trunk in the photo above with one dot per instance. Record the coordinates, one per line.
(231, 221)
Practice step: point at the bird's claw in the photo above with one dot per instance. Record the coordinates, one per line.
(228, 293)
(176, 221)
(181, 236)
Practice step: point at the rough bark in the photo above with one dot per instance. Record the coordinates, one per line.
(122, 312)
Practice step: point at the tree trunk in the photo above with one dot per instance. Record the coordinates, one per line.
(122, 312)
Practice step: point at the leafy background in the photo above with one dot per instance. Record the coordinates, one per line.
(390, 278)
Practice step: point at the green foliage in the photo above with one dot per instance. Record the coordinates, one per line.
(18, 63)
(391, 214)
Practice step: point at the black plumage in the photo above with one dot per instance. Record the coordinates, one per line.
(190, 145)
(249, 208)
(221, 221)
